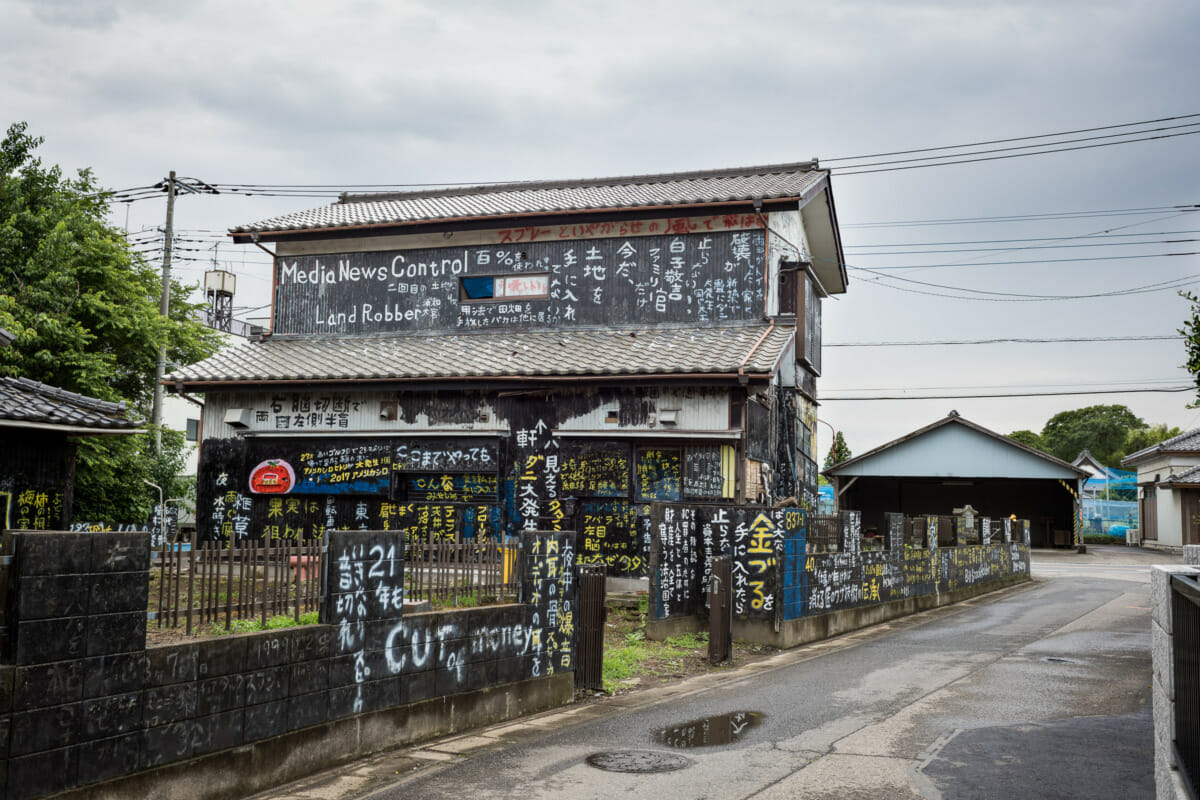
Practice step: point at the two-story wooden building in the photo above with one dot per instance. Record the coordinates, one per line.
(527, 355)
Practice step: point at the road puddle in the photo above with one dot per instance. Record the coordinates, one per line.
(708, 732)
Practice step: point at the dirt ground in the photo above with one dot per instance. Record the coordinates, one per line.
(631, 662)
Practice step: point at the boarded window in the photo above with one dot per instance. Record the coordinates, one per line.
(659, 475)
(758, 431)
(595, 469)
(504, 287)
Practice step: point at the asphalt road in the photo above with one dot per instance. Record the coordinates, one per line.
(1038, 691)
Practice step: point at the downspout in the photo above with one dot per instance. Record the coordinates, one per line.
(742, 379)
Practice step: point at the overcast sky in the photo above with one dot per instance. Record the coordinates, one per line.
(413, 92)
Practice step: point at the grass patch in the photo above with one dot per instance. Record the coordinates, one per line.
(688, 641)
(620, 664)
(273, 623)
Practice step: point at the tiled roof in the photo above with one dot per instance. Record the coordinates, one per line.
(23, 400)
(547, 197)
(1188, 442)
(1188, 476)
(609, 352)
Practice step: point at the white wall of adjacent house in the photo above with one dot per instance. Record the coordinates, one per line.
(1168, 505)
(184, 416)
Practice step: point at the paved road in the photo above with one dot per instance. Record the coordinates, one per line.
(1039, 691)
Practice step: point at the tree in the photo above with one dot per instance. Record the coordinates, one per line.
(1191, 337)
(838, 451)
(1142, 438)
(85, 311)
(1101, 429)
(1028, 438)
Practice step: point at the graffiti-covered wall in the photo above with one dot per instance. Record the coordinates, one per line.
(37, 474)
(536, 465)
(86, 700)
(775, 578)
(697, 277)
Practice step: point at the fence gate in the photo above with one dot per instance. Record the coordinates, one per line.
(720, 611)
(589, 660)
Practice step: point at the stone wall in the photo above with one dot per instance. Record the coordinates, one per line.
(83, 700)
(1168, 784)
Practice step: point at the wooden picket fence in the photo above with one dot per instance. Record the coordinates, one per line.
(216, 583)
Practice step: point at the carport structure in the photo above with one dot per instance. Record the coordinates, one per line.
(953, 463)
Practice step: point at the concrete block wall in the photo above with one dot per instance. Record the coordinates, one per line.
(1168, 785)
(83, 700)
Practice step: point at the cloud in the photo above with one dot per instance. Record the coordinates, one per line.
(75, 13)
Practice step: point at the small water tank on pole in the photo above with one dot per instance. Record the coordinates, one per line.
(219, 287)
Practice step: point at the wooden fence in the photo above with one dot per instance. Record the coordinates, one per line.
(216, 583)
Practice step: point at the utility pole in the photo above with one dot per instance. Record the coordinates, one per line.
(160, 369)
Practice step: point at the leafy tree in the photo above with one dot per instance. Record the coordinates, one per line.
(838, 451)
(1191, 336)
(1101, 429)
(1028, 438)
(85, 311)
(1142, 438)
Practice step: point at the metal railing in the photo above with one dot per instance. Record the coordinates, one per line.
(461, 571)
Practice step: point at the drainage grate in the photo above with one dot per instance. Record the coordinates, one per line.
(637, 761)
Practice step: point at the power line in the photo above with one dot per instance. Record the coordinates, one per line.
(1016, 139)
(1026, 247)
(826, 399)
(1176, 283)
(1015, 155)
(1048, 215)
(1029, 239)
(1069, 386)
(944, 342)
(1027, 146)
(890, 267)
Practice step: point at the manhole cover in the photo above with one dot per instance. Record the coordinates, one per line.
(708, 732)
(637, 761)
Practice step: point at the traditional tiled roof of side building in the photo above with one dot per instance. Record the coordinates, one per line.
(709, 187)
(1189, 477)
(750, 349)
(27, 403)
(1188, 442)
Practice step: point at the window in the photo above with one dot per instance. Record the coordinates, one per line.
(193, 430)
(481, 289)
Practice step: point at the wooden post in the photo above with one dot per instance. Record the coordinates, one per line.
(191, 581)
(229, 587)
(162, 561)
(299, 561)
(266, 577)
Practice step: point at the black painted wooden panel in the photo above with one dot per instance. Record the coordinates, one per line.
(701, 278)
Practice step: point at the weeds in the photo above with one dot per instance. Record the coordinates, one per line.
(273, 623)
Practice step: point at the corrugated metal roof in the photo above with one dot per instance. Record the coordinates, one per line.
(1188, 442)
(23, 400)
(583, 353)
(547, 197)
(941, 456)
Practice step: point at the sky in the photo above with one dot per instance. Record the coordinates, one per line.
(358, 92)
